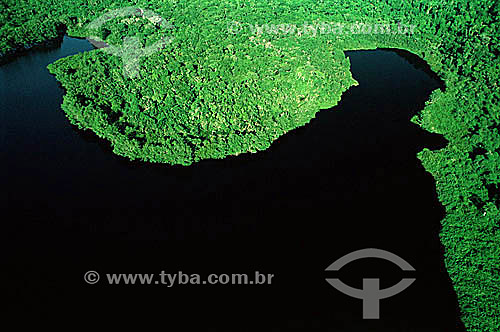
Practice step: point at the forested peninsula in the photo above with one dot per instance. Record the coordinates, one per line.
(221, 88)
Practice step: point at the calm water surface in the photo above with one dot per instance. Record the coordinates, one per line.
(348, 180)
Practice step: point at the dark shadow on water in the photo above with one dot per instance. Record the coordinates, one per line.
(348, 180)
(418, 64)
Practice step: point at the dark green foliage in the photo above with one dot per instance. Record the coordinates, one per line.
(211, 93)
(208, 94)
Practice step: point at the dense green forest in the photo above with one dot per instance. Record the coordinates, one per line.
(211, 93)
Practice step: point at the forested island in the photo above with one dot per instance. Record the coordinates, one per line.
(220, 88)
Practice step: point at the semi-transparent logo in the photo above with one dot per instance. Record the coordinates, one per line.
(371, 294)
(132, 50)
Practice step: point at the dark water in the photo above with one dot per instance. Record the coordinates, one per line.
(349, 180)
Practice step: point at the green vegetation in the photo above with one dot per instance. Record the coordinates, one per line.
(211, 93)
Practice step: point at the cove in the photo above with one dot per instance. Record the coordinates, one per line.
(348, 180)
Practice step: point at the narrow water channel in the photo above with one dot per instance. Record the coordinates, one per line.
(348, 180)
